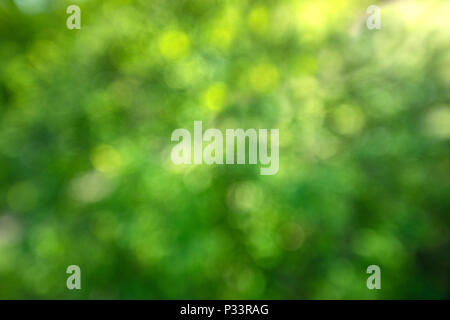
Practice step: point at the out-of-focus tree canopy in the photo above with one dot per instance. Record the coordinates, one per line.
(86, 176)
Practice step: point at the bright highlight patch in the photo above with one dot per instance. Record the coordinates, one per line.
(263, 77)
(215, 96)
(106, 159)
(174, 44)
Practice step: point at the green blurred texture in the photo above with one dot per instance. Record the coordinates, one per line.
(85, 171)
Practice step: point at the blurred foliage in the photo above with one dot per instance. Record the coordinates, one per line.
(85, 172)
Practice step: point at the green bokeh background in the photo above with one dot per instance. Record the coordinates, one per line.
(86, 176)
